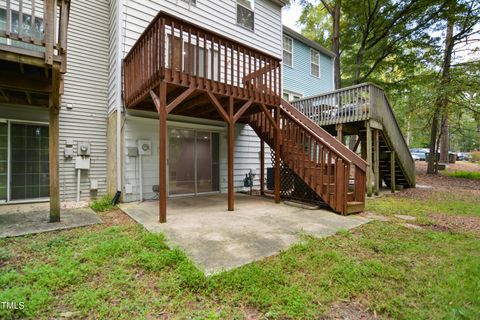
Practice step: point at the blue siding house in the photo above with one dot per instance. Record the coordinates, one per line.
(307, 66)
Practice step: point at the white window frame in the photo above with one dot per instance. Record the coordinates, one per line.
(312, 62)
(283, 49)
(291, 94)
(249, 9)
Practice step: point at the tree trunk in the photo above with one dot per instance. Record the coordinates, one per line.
(444, 140)
(441, 101)
(336, 43)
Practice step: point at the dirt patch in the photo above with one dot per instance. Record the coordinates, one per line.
(349, 310)
(444, 222)
(448, 183)
(115, 217)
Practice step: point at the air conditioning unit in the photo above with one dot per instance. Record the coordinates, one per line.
(144, 147)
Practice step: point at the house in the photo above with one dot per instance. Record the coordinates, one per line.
(307, 66)
(162, 99)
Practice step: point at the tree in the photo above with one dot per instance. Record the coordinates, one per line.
(461, 17)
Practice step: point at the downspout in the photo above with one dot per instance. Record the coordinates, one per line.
(119, 96)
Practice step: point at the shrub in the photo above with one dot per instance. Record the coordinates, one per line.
(102, 204)
(464, 174)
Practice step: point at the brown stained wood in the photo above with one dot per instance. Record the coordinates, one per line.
(262, 167)
(226, 117)
(162, 102)
(231, 144)
(53, 158)
(277, 155)
(179, 99)
(242, 110)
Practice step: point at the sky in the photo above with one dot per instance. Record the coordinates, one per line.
(290, 16)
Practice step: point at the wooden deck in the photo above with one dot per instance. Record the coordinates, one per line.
(33, 60)
(365, 110)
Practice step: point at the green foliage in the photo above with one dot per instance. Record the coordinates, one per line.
(102, 204)
(475, 155)
(464, 174)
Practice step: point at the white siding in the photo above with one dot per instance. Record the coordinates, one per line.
(218, 16)
(86, 87)
(247, 156)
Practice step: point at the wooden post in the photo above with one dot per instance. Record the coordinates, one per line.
(277, 155)
(376, 161)
(231, 141)
(392, 171)
(53, 154)
(339, 128)
(162, 114)
(50, 14)
(369, 159)
(262, 167)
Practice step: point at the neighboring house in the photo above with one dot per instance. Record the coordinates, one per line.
(307, 66)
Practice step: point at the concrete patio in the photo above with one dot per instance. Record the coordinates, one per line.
(219, 240)
(23, 219)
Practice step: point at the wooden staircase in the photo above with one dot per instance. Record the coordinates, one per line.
(331, 170)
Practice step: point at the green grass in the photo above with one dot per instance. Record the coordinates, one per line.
(464, 174)
(439, 202)
(125, 272)
(102, 204)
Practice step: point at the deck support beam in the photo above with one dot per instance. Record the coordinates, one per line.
(392, 171)
(277, 155)
(231, 142)
(339, 129)
(160, 101)
(53, 137)
(376, 160)
(369, 158)
(262, 167)
(53, 146)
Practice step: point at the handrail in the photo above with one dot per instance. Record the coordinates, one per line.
(39, 25)
(333, 172)
(344, 152)
(359, 103)
(174, 50)
(382, 112)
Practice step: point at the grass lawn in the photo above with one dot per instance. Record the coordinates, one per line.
(119, 271)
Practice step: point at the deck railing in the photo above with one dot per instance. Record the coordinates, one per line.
(359, 103)
(37, 26)
(179, 52)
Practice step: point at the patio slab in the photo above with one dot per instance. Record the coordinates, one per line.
(218, 240)
(23, 219)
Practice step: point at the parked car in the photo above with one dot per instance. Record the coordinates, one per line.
(419, 153)
(463, 156)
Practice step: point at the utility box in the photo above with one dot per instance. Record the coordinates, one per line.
(144, 147)
(68, 152)
(83, 148)
(82, 163)
(94, 184)
(132, 151)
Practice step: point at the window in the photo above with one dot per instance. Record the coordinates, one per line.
(287, 51)
(292, 96)
(245, 16)
(314, 63)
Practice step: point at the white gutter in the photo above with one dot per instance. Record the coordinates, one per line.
(119, 95)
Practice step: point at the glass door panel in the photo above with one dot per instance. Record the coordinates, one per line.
(29, 165)
(181, 161)
(204, 161)
(3, 161)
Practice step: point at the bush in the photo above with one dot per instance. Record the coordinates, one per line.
(102, 204)
(464, 174)
(475, 155)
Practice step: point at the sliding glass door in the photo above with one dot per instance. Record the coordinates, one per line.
(193, 161)
(29, 165)
(3, 161)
